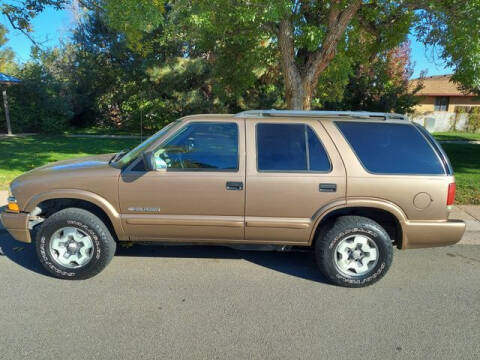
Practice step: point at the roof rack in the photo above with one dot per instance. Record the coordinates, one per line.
(321, 114)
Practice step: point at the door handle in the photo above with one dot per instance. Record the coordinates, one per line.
(327, 188)
(234, 185)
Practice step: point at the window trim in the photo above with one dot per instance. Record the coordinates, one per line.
(390, 174)
(175, 170)
(307, 151)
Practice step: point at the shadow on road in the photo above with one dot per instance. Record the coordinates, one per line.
(299, 264)
(20, 253)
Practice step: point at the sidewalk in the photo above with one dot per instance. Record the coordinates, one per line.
(468, 213)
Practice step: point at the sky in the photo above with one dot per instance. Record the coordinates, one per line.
(53, 26)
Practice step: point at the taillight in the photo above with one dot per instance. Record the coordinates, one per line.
(451, 194)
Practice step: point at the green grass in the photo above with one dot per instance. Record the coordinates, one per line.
(20, 154)
(462, 136)
(465, 159)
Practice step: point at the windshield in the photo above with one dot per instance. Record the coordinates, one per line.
(133, 154)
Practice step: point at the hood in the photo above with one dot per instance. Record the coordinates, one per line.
(89, 162)
(91, 173)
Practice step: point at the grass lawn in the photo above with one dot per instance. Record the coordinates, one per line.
(465, 159)
(442, 136)
(21, 154)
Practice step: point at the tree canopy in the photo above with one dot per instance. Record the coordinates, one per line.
(156, 60)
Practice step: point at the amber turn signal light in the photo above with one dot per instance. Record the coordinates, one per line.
(12, 205)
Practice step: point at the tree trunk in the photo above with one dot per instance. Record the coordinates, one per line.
(301, 83)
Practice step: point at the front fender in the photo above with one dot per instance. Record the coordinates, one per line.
(84, 195)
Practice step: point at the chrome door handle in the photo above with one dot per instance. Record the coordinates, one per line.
(327, 188)
(234, 185)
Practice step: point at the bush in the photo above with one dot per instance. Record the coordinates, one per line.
(39, 103)
(473, 124)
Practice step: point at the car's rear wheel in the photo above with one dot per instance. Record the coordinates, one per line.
(74, 244)
(353, 251)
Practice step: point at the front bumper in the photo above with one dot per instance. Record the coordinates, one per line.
(17, 225)
(422, 234)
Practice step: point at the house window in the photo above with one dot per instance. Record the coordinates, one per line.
(441, 103)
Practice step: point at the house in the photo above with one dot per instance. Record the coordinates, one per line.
(441, 94)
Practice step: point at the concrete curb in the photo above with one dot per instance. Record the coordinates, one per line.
(105, 136)
(16, 135)
(474, 142)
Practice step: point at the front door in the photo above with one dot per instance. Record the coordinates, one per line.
(293, 171)
(197, 191)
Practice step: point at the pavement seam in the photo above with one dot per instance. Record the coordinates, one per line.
(473, 216)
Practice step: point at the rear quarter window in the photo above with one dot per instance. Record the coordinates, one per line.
(385, 148)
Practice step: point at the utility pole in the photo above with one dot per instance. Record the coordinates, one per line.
(7, 114)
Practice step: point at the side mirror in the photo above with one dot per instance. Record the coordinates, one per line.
(149, 161)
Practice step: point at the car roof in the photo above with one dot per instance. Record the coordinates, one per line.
(328, 115)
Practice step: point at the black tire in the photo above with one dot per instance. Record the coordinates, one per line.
(343, 228)
(103, 243)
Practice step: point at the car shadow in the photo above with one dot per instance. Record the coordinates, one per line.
(293, 263)
(20, 253)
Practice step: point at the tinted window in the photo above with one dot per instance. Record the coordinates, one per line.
(391, 148)
(290, 147)
(201, 146)
(318, 156)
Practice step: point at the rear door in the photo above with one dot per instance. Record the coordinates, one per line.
(293, 171)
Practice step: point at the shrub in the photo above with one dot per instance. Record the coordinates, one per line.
(473, 123)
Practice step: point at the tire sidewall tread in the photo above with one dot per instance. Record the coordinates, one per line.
(342, 227)
(103, 243)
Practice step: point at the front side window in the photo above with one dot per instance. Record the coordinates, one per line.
(201, 146)
(391, 148)
(290, 147)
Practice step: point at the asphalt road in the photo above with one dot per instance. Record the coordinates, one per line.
(219, 303)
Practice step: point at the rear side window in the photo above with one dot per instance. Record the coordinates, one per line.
(391, 148)
(290, 147)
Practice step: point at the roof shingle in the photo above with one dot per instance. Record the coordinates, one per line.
(438, 86)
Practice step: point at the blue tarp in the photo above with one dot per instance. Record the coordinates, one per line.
(4, 78)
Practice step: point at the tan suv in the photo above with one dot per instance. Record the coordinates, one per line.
(350, 185)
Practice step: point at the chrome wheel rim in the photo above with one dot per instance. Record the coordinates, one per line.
(356, 255)
(71, 247)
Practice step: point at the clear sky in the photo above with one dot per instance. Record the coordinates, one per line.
(52, 26)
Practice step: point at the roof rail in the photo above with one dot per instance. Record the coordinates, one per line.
(328, 114)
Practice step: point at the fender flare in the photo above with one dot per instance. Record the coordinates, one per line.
(380, 204)
(84, 195)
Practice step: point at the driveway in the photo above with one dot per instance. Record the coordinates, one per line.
(218, 303)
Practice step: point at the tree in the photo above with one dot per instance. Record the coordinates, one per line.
(306, 36)
(381, 84)
(6, 54)
(303, 37)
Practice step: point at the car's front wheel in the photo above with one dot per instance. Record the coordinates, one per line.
(74, 244)
(354, 251)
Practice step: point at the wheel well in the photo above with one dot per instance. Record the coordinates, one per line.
(387, 220)
(51, 206)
